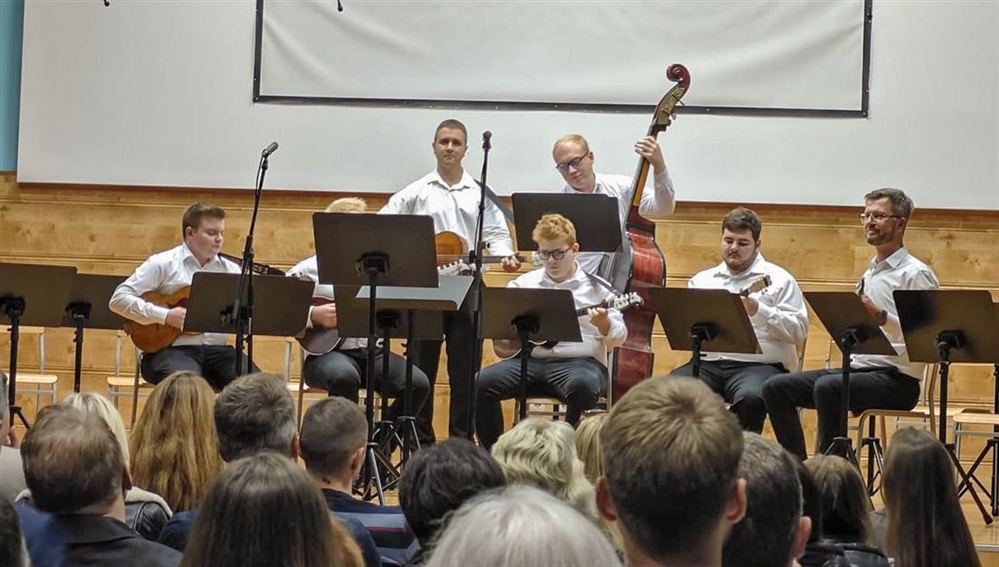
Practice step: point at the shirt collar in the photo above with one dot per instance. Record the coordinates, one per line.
(573, 282)
(894, 260)
(186, 253)
(466, 181)
(754, 269)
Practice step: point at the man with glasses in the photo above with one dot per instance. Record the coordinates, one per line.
(574, 160)
(881, 382)
(575, 373)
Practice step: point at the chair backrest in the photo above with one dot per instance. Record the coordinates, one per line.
(23, 330)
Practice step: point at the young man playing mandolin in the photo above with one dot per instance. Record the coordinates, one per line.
(339, 367)
(450, 196)
(575, 373)
(776, 308)
(154, 294)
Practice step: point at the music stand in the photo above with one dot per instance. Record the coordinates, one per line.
(33, 295)
(701, 320)
(377, 251)
(88, 307)
(992, 444)
(597, 218)
(528, 315)
(944, 327)
(210, 308)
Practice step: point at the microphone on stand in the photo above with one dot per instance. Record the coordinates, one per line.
(270, 149)
(486, 137)
(339, 6)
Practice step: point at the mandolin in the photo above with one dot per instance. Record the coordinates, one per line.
(619, 302)
(452, 252)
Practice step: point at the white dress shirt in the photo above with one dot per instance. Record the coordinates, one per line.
(585, 292)
(309, 268)
(454, 208)
(901, 270)
(660, 201)
(166, 273)
(781, 322)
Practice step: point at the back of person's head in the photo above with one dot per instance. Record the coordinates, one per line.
(102, 407)
(13, 551)
(773, 532)
(926, 526)
(72, 462)
(175, 447)
(671, 455)
(588, 444)
(517, 526)
(439, 479)
(347, 205)
(333, 431)
(255, 413)
(846, 507)
(542, 453)
(811, 500)
(265, 511)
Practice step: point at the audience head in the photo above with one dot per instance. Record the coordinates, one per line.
(846, 507)
(926, 526)
(671, 455)
(73, 463)
(333, 438)
(102, 407)
(773, 533)
(347, 205)
(265, 511)
(588, 444)
(175, 447)
(811, 501)
(256, 413)
(542, 453)
(520, 525)
(439, 479)
(13, 551)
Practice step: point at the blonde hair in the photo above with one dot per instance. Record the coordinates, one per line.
(588, 445)
(554, 226)
(176, 448)
(572, 138)
(542, 453)
(348, 205)
(102, 407)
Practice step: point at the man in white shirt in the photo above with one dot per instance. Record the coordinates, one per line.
(575, 373)
(343, 370)
(450, 196)
(777, 313)
(168, 272)
(884, 382)
(574, 160)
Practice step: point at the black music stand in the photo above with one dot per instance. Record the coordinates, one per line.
(701, 320)
(944, 327)
(33, 295)
(529, 315)
(992, 445)
(377, 251)
(596, 217)
(88, 307)
(210, 308)
(856, 332)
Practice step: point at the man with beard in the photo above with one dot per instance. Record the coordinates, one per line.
(776, 308)
(883, 382)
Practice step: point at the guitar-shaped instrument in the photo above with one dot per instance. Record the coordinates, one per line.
(620, 302)
(452, 254)
(759, 285)
(155, 337)
(640, 264)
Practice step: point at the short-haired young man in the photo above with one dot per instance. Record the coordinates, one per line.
(575, 373)
(167, 273)
(671, 457)
(777, 313)
(333, 442)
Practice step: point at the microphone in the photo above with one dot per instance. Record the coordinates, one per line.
(486, 137)
(339, 6)
(269, 150)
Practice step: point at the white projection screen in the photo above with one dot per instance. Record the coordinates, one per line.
(751, 56)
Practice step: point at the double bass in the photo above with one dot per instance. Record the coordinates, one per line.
(639, 264)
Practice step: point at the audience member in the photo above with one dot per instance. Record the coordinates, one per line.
(264, 511)
(817, 553)
(588, 443)
(773, 532)
(671, 455)
(175, 450)
(11, 471)
(76, 472)
(542, 453)
(333, 442)
(518, 526)
(438, 480)
(926, 527)
(846, 507)
(13, 551)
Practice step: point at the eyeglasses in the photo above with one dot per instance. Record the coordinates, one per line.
(573, 163)
(876, 217)
(555, 254)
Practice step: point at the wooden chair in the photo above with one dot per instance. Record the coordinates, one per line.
(134, 386)
(40, 384)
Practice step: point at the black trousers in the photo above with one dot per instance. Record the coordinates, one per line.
(343, 372)
(216, 363)
(882, 388)
(740, 384)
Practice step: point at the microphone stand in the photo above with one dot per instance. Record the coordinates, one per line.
(475, 259)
